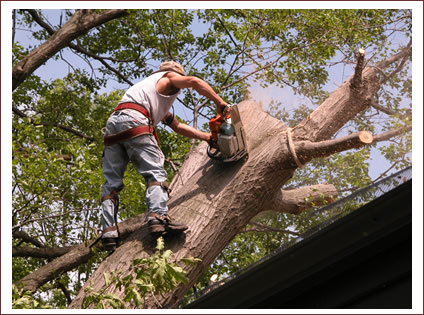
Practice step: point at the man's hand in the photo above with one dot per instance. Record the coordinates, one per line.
(225, 110)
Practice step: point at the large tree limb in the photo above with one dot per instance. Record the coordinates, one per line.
(345, 102)
(307, 150)
(80, 23)
(25, 251)
(51, 31)
(72, 257)
(300, 199)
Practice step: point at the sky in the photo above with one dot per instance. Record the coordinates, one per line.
(261, 95)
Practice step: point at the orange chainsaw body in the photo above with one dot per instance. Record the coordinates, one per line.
(228, 142)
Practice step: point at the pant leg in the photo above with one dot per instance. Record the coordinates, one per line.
(148, 160)
(114, 163)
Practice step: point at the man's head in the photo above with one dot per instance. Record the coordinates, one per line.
(171, 66)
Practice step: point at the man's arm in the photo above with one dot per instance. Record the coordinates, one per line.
(188, 131)
(202, 87)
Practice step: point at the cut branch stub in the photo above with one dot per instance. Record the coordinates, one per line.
(307, 150)
(300, 199)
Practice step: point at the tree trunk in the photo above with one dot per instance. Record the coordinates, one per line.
(217, 200)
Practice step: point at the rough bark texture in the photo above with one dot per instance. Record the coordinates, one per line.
(216, 200)
(297, 200)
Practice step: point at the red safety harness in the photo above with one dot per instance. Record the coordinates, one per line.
(133, 132)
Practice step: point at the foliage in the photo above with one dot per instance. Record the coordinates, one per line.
(57, 147)
(153, 275)
(25, 300)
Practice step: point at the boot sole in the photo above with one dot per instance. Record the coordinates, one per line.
(156, 229)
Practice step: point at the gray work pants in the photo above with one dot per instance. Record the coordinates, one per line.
(147, 158)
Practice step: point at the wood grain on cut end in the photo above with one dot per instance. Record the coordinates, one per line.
(365, 137)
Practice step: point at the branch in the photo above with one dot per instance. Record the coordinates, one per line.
(80, 23)
(26, 238)
(51, 31)
(265, 228)
(298, 200)
(356, 82)
(65, 128)
(307, 150)
(53, 252)
(399, 67)
(406, 52)
(390, 134)
(77, 255)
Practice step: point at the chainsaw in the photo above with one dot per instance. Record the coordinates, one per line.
(228, 141)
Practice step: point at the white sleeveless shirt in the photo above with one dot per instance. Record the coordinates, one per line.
(144, 93)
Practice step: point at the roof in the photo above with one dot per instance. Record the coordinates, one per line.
(360, 260)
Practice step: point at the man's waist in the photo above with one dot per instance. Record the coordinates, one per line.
(134, 106)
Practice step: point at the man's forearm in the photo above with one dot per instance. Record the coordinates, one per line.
(190, 132)
(206, 90)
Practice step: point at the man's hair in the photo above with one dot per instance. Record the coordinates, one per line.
(171, 66)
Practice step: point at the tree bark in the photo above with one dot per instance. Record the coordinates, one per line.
(80, 23)
(216, 201)
(296, 201)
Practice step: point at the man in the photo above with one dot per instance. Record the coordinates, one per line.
(130, 136)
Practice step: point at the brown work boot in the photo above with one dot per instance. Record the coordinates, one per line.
(110, 238)
(156, 223)
(174, 226)
(159, 224)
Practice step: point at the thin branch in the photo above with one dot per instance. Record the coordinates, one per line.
(265, 228)
(46, 218)
(390, 134)
(65, 291)
(65, 128)
(406, 52)
(268, 65)
(26, 238)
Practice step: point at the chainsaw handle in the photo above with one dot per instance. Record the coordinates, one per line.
(213, 154)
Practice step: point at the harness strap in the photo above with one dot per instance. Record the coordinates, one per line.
(134, 106)
(164, 185)
(113, 196)
(133, 132)
(110, 228)
(129, 134)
